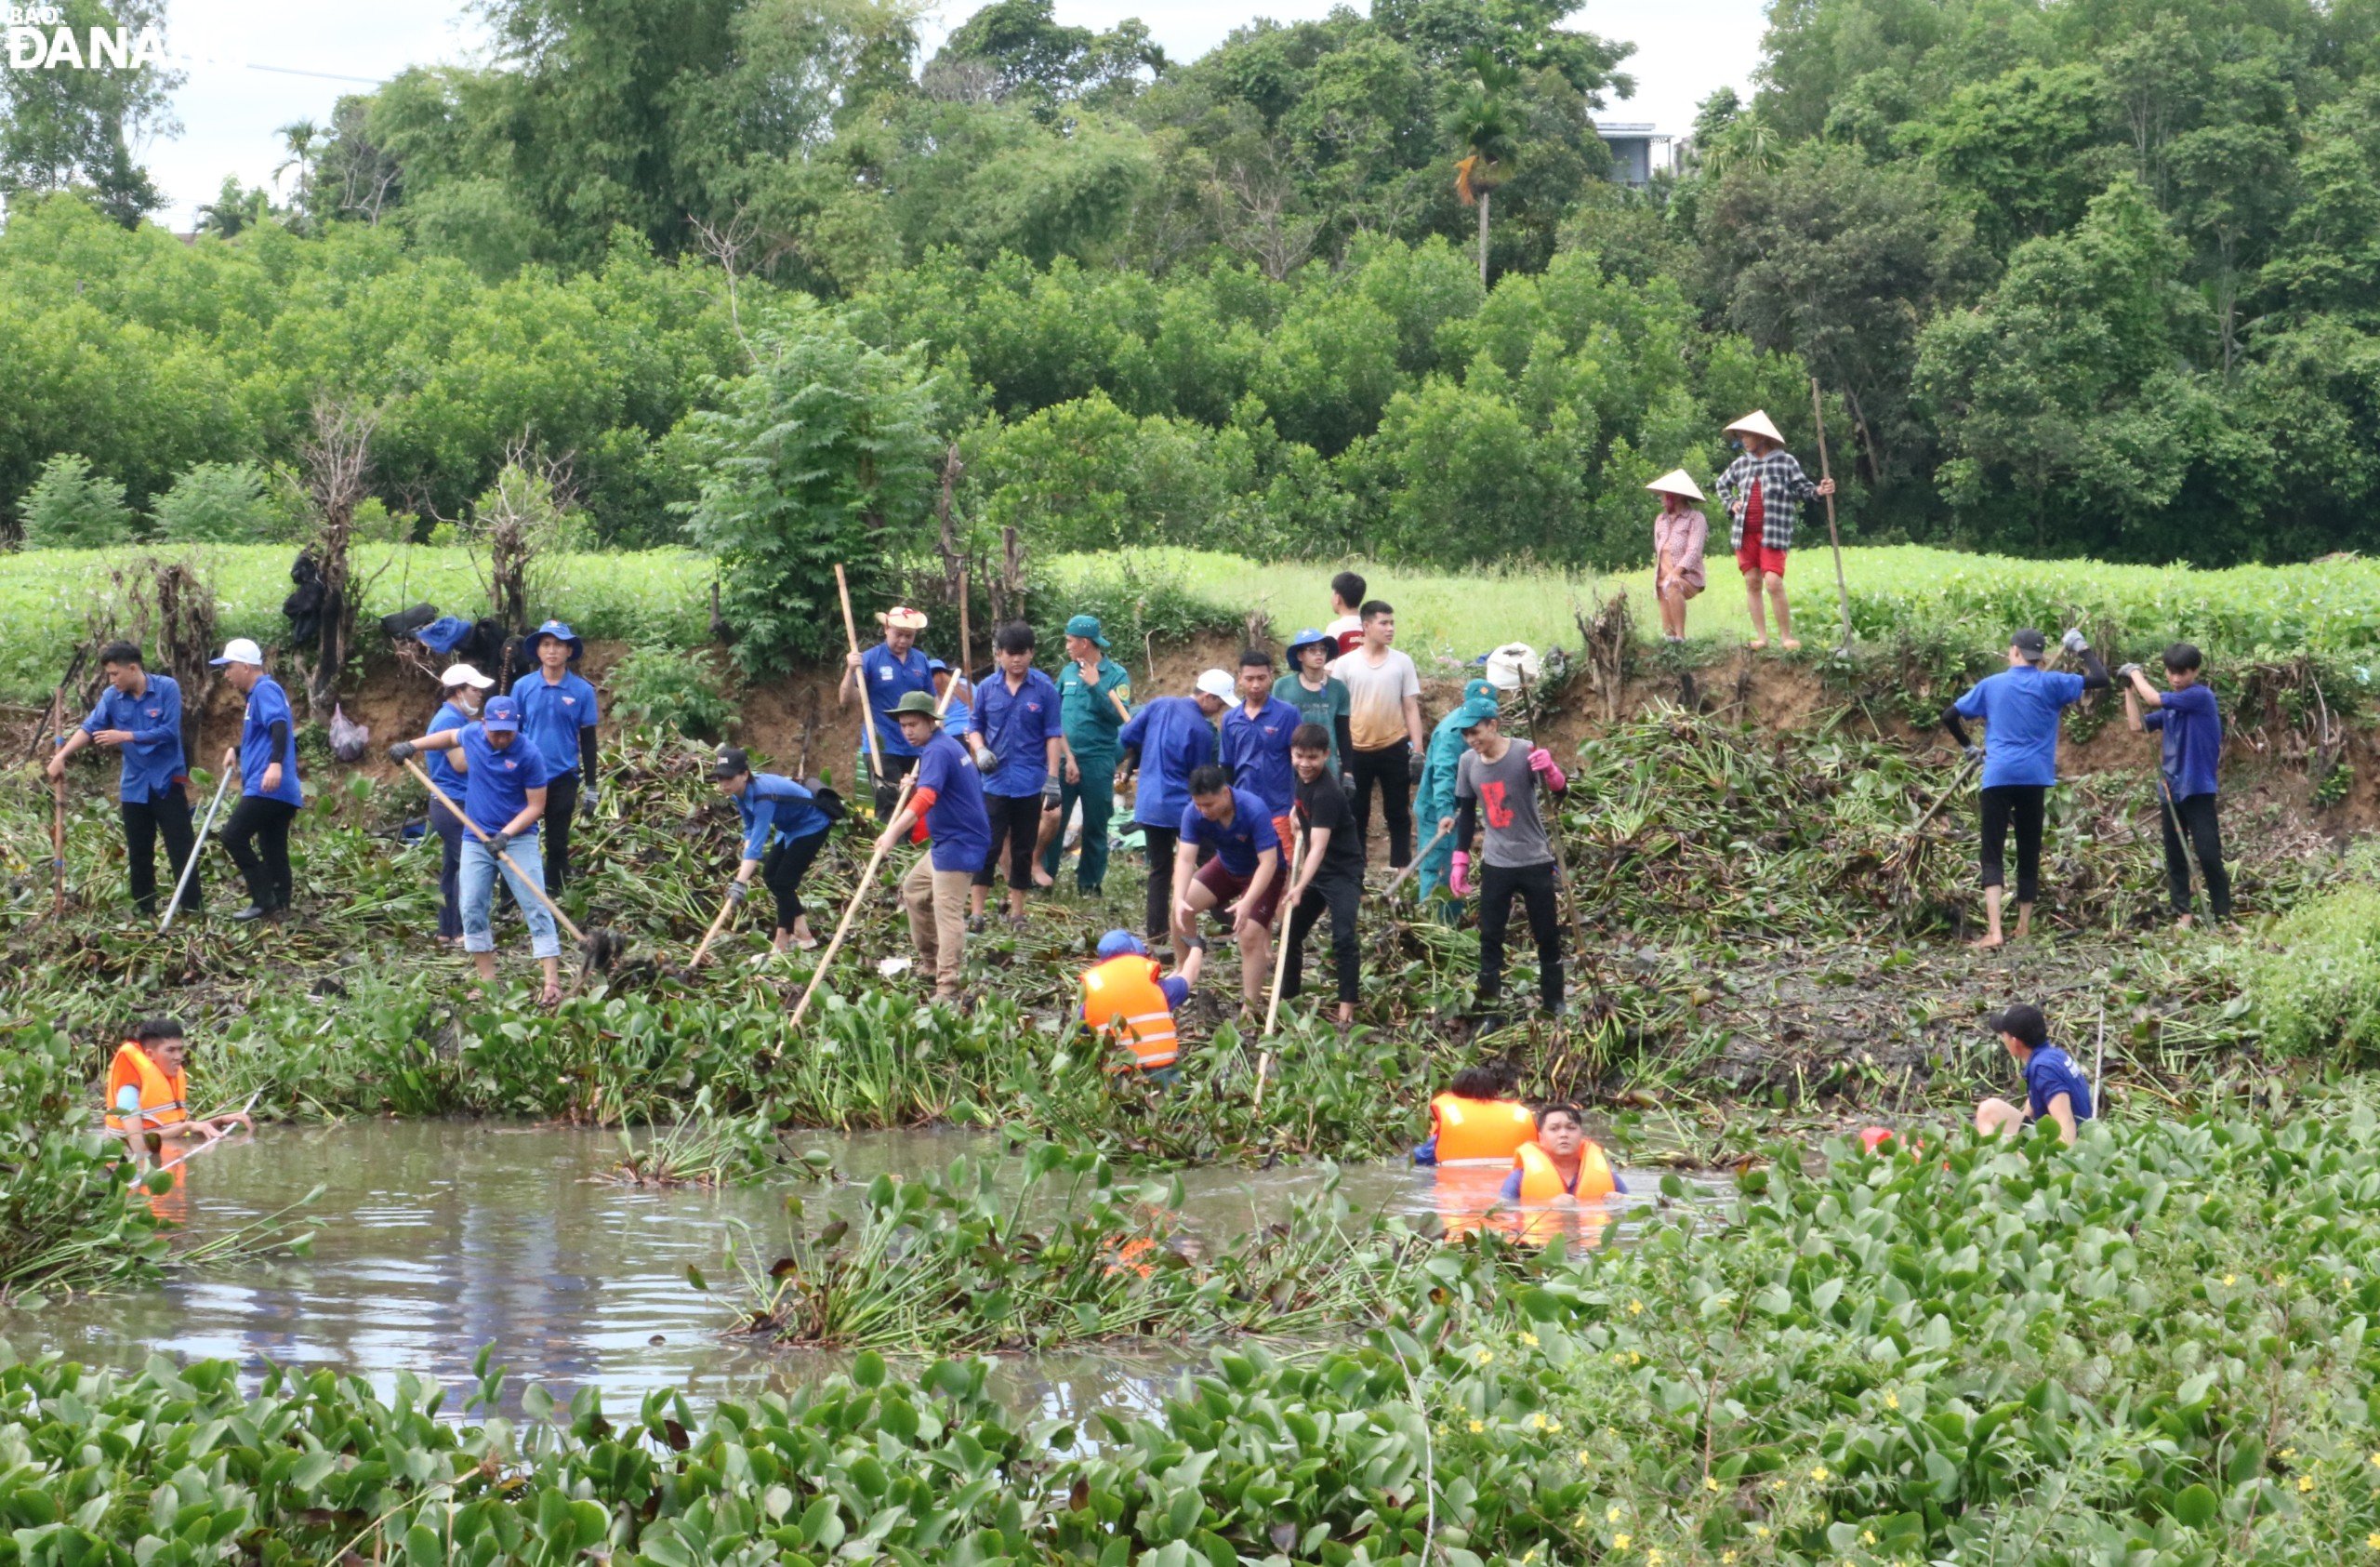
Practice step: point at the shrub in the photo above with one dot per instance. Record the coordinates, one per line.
(70, 507)
(69, 1213)
(2315, 981)
(659, 686)
(226, 503)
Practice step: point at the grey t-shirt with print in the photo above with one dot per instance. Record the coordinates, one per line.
(1506, 793)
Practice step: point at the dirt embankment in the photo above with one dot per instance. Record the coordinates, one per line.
(796, 717)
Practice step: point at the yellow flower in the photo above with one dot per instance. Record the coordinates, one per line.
(1477, 1427)
(1867, 1536)
(1553, 1428)
(1892, 1401)
(1586, 1459)
(1652, 1558)
(1760, 1530)
(1530, 1339)
(1819, 1474)
(1710, 1483)
(2373, 1539)
(1619, 1541)
(2305, 1483)
(1727, 1557)
(2287, 1454)
(2230, 1280)
(1611, 1514)
(1777, 1485)
(1635, 1308)
(1537, 1421)
(1635, 1359)
(1485, 1356)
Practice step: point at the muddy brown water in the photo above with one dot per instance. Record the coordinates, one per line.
(434, 1238)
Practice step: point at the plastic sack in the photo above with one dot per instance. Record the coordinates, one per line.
(350, 740)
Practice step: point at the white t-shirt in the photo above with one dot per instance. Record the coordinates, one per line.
(1376, 696)
(1345, 633)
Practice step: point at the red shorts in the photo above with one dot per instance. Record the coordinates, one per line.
(1226, 886)
(1753, 555)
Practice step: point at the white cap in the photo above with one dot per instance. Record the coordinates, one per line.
(1756, 423)
(1677, 481)
(1215, 684)
(463, 674)
(238, 650)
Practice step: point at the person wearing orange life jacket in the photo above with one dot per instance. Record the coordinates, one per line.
(148, 1091)
(1562, 1165)
(1127, 998)
(1476, 1121)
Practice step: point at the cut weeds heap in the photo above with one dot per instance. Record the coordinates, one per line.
(2153, 1348)
(1760, 927)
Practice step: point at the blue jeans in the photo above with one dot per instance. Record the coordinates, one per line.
(523, 869)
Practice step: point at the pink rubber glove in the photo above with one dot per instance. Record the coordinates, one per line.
(1459, 880)
(1541, 762)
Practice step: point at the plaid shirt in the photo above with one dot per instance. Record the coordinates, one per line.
(1783, 489)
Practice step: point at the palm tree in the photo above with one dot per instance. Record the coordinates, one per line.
(298, 136)
(1482, 116)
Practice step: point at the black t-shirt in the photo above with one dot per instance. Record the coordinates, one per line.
(1324, 804)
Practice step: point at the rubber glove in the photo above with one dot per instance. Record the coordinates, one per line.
(987, 762)
(2072, 641)
(1542, 763)
(402, 752)
(1975, 753)
(498, 842)
(1459, 879)
(736, 891)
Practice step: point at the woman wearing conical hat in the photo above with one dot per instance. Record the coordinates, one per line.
(1679, 534)
(1764, 491)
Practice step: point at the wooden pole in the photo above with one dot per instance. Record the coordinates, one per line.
(1826, 471)
(58, 847)
(477, 831)
(1280, 960)
(1398, 879)
(966, 633)
(726, 908)
(190, 866)
(1560, 838)
(859, 677)
(1947, 795)
(866, 876)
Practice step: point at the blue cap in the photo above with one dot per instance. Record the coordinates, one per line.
(1475, 713)
(935, 666)
(1308, 638)
(501, 716)
(1115, 943)
(1087, 628)
(560, 630)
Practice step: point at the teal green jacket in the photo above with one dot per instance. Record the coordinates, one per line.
(1434, 795)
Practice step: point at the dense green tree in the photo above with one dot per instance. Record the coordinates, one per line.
(75, 126)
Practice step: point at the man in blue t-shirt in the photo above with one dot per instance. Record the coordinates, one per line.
(2191, 721)
(894, 668)
(507, 782)
(1023, 751)
(558, 714)
(1165, 741)
(257, 836)
(947, 807)
(2020, 707)
(1255, 742)
(139, 716)
(1244, 879)
(784, 826)
(2054, 1089)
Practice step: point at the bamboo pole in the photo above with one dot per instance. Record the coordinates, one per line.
(505, 855)
(190, 866)
(1398, 879)
(726, 908)
(1280, 960)
(1826, 471)
(859, 678)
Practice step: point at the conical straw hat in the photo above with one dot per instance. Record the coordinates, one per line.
(1756, 423)
(1677, 481)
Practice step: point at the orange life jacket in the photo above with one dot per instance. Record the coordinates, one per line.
(1479, 1131)
(1121, 997)
(161, 1096)
(1540, 1182)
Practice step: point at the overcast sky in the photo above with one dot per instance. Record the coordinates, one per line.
(240, 89)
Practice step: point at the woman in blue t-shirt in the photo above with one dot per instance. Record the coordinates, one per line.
(2191, 721)
(2020, 707)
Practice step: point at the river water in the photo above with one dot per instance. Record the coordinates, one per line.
(434, 1238)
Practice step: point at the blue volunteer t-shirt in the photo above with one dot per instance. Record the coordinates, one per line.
(962, 833)
(552, 714)
(1256, 752)
(1175, 740)
(440, 765)
(888, 680)
(1237, 844)
(1018, 725)
(497, 783)
(267, 705)
(774, 803)
(2020, 707)
(2048, 1074)
(152, 759)
(2193, 722)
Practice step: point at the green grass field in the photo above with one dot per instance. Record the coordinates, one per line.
(48, 599)
(2330, 609)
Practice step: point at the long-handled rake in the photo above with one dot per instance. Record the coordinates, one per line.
(597, 952)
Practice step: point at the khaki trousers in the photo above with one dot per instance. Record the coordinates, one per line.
(937, 904)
